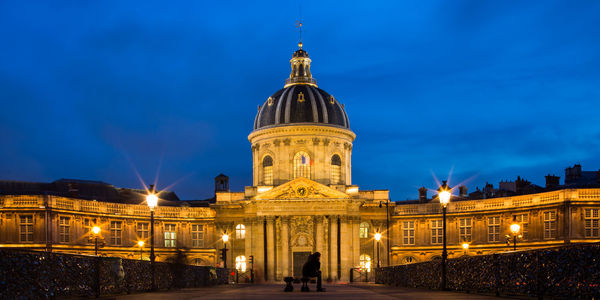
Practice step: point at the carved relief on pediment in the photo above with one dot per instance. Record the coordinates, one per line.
(302, 240)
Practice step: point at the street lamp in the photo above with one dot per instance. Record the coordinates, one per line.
(141, 245)
(377, 238)
(96, 232)
(515, 228)
(444, 194)
(152, 201)
(225, 238)
(465, 247)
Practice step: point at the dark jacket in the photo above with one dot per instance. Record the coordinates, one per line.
(311, 267)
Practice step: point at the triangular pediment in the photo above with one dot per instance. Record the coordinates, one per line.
(302, 188)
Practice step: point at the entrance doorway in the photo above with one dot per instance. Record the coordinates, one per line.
(299, 259)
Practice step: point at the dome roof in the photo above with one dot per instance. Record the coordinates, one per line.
(301, 101)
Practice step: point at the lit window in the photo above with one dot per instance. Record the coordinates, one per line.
(523, 220)
(170, 235)
(142, 231)
(550, 224)
(240, 263)
(115, 232)
(365, 262)
(436, 231)
(268, 170)
(302, 165)
(26, 228)
(592, 220)
(336, 167)
(493, 229)
(64, 229)
(409, 232)
(465, 229)
(197, 235)
(364, 230)
(240, 231)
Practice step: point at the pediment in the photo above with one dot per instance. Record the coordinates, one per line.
(302, 188)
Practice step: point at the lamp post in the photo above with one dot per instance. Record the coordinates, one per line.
(96, 232)
(515, 228)
(152, 201)
(387, 224)
(377, 238)
(465, 247)
(444, 196)
(141, 244)
(225, 238)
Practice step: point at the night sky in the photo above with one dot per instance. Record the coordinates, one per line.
(481, 90)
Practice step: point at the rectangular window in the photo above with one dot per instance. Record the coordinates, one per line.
(493, 229)
(26, 228)
(409, 232)
(64, 229)
(143, 231)
(115, 232)
(268, 172)
(592, 222)
(550, 224)
(437, 231)
(170, 235)
(523, 220)
(465, 228)
(197, 235)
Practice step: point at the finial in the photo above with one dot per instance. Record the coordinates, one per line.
(300, 45)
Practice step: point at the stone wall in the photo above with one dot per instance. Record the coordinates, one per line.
(37, 275)
(568, 271)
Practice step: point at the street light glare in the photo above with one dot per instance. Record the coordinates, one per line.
(465, 246)
(377, 236)
(96, 229)
(515, 228)
(141, 243)
(225, 238)
(444, 197)
(152, 200)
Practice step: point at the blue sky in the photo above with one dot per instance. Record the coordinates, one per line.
(485, 90)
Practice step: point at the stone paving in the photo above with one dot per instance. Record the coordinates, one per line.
(275, 291)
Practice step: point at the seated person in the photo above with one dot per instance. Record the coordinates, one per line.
(312, 268)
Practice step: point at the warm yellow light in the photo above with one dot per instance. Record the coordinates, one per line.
(225, 238)
(96, 229)
(141, 243)
(515, 228)
(152, 201)
(465, 246)
(444, 197)
(377, 236)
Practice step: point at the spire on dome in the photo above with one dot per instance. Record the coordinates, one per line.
(300, 69)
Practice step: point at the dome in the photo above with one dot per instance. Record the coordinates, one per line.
(301, 101)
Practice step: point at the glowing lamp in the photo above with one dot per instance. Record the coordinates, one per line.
(465, 246)
(377, 236)
(225, 238)
(140, 243)
(444, 197)
(152, 201)
(515, 228)
(96, 229)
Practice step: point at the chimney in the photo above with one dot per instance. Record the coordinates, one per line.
(462, 191)
(422, 194)
(552, 181)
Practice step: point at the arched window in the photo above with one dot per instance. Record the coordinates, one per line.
(240, 231)
(364, 230)
(336, 169)
(240, 263)
(267, 165)
(365, 262)
(302, 165)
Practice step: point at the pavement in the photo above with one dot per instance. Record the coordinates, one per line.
(275, 291)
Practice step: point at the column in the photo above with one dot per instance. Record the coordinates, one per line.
(248, 240)
(270, 249)
(345, 249)
(333, 263)
(355, 241)
(319, 238)
(258, 248)
(284, 258)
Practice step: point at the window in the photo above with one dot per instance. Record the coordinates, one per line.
(523, 220)
(465, 229)
(142, 231)
(436, 231)
(592, 226)
(302, 165)
(115, 232)
(240, 231)
(88, 224)
(26, 228)
(240, 263)
(550, 224)
(197, 235)
(170, 235)
(267, 170)
(409, 232)
(336, 169)
(365, 262)
(63, 229)
(364, 230)
(493, 229)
